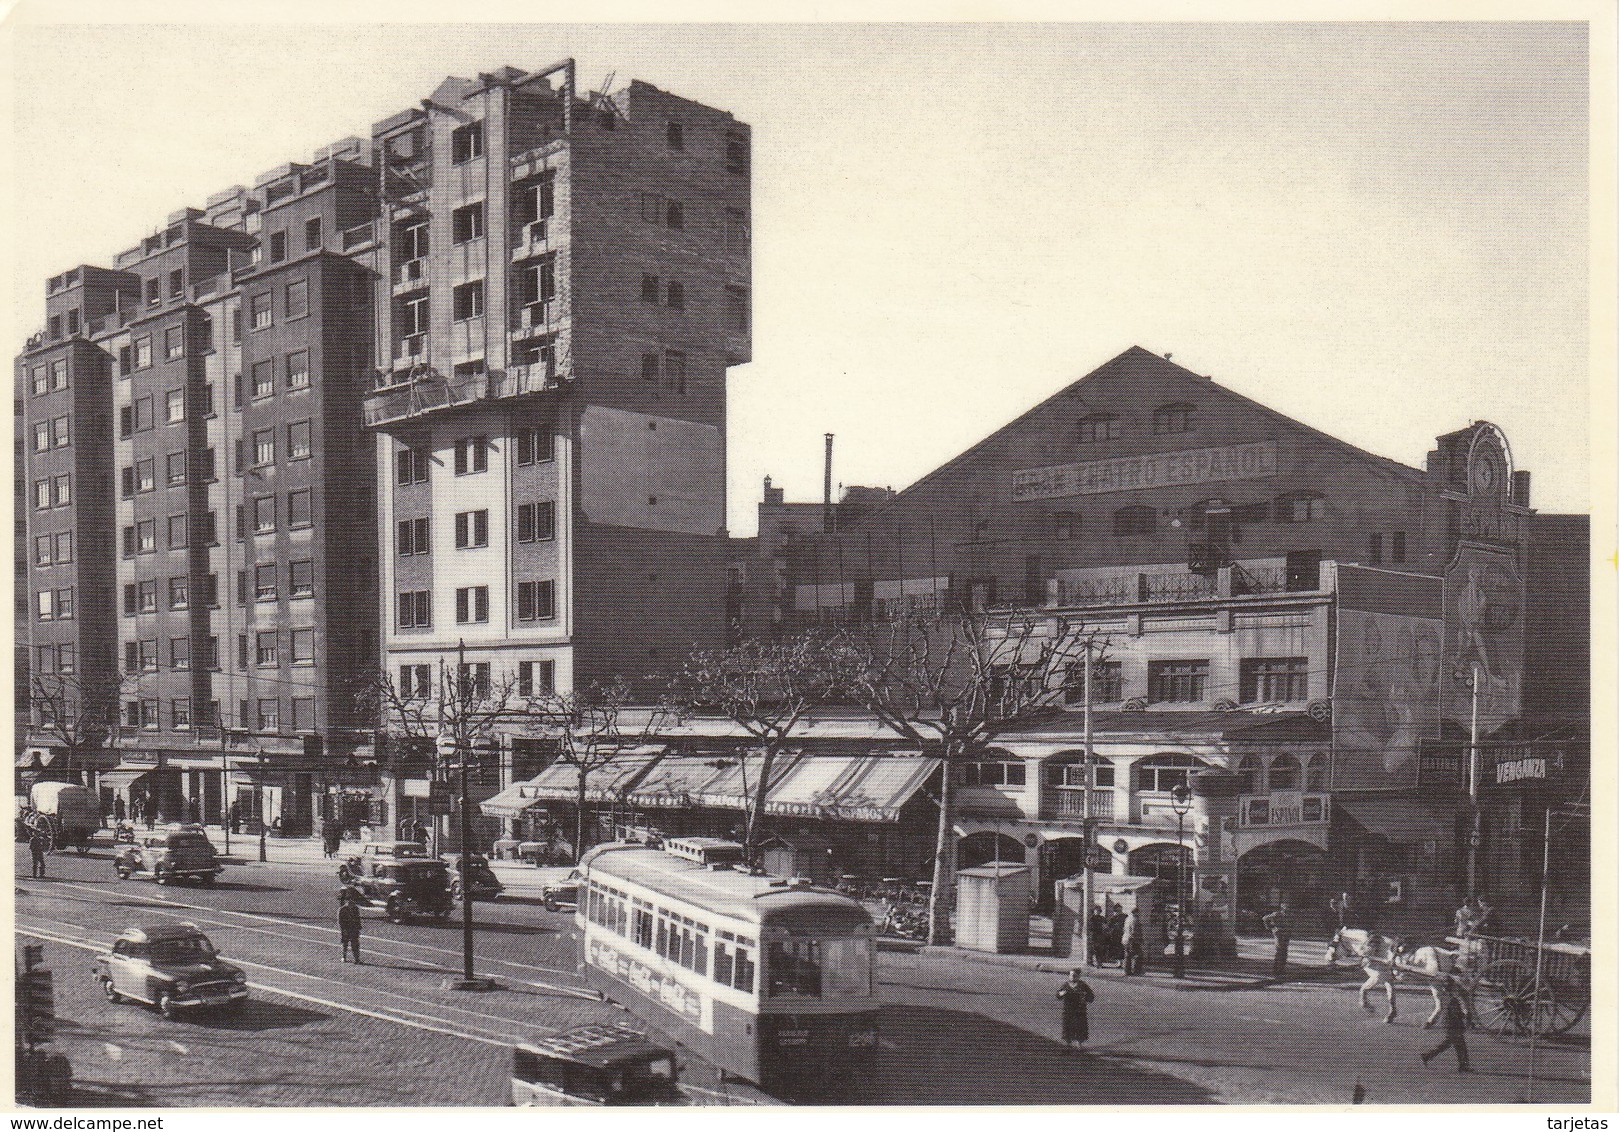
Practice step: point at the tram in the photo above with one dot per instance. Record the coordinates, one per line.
(769, 979)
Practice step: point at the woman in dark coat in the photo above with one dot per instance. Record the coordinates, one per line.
(1076, 997)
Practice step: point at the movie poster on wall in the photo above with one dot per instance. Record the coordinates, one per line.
(1484, 634)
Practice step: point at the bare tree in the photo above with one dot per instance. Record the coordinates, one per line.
(80, 715)
(951, 684)
(766, 688)
(593, 727)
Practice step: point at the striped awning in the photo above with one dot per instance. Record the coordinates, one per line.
(678, 780)
(560, 781)
(850, 788)
(512, 802)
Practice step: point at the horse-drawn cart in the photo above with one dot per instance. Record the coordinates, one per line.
(1500, 976)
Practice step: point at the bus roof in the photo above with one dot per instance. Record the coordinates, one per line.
(725, 892)
(600, 1046)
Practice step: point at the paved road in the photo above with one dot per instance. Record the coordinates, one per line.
(954, 1030)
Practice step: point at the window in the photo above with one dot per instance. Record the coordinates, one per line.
(259, 310)
(675, 134)
(414, 537)
(303, 646)
(536, 522)
(264, 514)
(1073, 774)
(149, 715)
(298, 443)
(298, 369)
(471, 455)
(1275, 679)
(415, 681)
(649, 288)
(180, 652)
(179, 596)
(1301, 507)
(536, 600)
(180, 712)
(263, 379)
(146, 596)
(146, 536)
(264, 582)
(1391, 544)
(650, 369)
(1284, 773)
(278, 246)
(1162, 773)
(263, 447)
(677, 296)
(269, 715)
(303, 578)
(42, 494)
(468, 300)
(472, 605)
(416, 609)
(466, 223)
(236, 324)
(410, 466)
(297, 298)
(143, 351)
(1397, 546)
(174, 343)
(141, 655)
(535, 446)
(536, 677)
(412, 243)
(466, 143)
(471, 529)
(1098, 427)
(736, 154)
(264, 649)
(1179, 417)
(1135, 521)
(674, 371)
(241, 654)
(300, 508)
(41, 381)
(1064, 525)
(997, 773)
(1177, 681)
(303, 713)
(142, 413)
(177, 532)
(154, 292)
(312, 234)
(174, 469)
(473, 679)
(1107, 682)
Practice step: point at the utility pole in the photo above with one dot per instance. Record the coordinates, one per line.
(457, 742)
(1475, 824)
(1087, 823)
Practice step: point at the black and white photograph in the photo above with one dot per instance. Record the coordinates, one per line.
(1043, 560)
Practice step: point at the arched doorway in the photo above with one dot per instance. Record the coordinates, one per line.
(985, 846)
(1294, 871)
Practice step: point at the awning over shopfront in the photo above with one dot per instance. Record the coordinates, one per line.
(512, 802)
(850, 787)
(33, 758)
(121, 779)
(1397, 819)
(560, 781)
(677, 780)
(734, 784)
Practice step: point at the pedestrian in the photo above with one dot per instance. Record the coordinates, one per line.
(1135, 955)
(1115, 936)
(118, 811)
(1457, 1018)
(1098, 926)
(348, 926)
(1340, 908)
(419, 832)
(1469, 917)
(39, 844)
(1280, 924)
(331, 838)
(236, 817)
(1076, 997)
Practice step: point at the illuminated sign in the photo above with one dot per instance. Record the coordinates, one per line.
(1254, 460)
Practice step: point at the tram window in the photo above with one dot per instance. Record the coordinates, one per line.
(847, 964)
(742, 977)
(663, 937)
(699, 961)
(794, 968)
(643, 927)
(724, 963)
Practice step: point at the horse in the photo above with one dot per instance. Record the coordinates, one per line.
(1434, 965)
(1376, 954)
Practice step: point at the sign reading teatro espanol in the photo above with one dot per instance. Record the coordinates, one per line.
(1254, 460)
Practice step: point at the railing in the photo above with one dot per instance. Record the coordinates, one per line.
(280, 191)
(1259, 579)
(411, 271)
(427, 394)
(1116, 590)
(359, 235)
(1067, 803)
(1176, 587)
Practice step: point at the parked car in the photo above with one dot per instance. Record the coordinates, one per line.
(178, 852)
(594, 1065)
(484, 884)
(381, 851)
(561, 892)
(401, 886)
(173, 967)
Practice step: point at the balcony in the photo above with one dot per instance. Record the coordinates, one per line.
(1067, 803)
(534, 317)
(410, 276)
(434, 392)
(1163, 584)
(531, 239)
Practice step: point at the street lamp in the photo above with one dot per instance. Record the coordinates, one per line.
(1471, 678)
(1180, 800)
(452, 745)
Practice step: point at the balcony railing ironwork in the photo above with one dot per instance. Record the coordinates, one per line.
(433, 391)
(1067, 803)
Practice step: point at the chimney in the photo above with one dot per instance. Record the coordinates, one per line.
(828, 519)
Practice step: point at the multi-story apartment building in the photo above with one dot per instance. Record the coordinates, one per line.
(454, 393)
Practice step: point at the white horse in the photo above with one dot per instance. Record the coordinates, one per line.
(1375, 954)
(1433, 965)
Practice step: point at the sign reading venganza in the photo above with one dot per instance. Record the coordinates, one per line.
(1159, 469)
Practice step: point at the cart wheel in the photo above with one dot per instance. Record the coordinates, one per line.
(1558, 1012)
(1504, 998)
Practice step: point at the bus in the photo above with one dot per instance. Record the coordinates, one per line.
(770, 980)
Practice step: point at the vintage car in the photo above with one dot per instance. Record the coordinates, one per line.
(558, 894)
(170, 966)
(401, 886)
(382, 851)
(594, 1065)
(481, 878)
(176, 852)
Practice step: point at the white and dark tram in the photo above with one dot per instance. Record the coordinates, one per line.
(769, 979)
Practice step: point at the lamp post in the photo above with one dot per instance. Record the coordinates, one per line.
(1471, 678)
(264, 821)
(1180, 800)
(454, 745)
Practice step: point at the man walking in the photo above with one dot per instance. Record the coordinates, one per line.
(1280, 923)
(348, 926)
(1135, 955)
(1076, 997)
(1457, 1017)
(39, 844)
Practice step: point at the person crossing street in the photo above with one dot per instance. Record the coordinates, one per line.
(348, 926)
(1076, 997)
(1457, 1018)
(1280, 923)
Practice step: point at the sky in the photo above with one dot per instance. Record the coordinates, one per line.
(1379, 229)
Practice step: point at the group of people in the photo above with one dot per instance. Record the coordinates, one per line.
(1116, 937)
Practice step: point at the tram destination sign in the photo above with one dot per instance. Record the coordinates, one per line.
(1254, 460)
